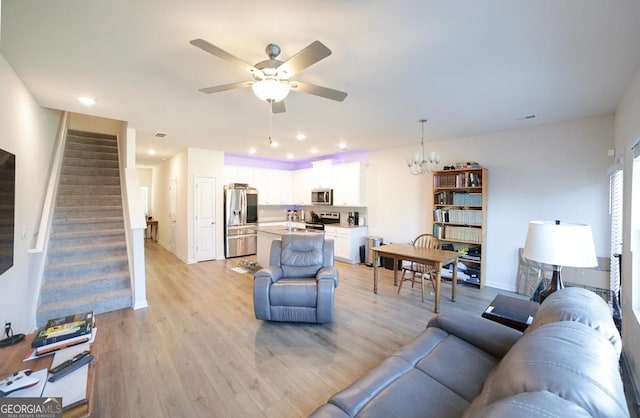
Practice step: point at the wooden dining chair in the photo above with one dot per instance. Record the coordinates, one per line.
(416, 269)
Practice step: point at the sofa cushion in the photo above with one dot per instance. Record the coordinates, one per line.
(531, 404)
(294, 292)
(435, 375)
(568, 359)
(579, 305)
(301, 255)
(448, 360)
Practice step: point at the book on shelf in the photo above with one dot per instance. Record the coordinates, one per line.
(64, 328)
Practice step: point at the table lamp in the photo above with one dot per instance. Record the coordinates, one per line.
(559, 244)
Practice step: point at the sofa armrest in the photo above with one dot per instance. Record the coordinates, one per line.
(261, 303)
(329, 411)
(273, 273)
(328, 273)
(487, 335)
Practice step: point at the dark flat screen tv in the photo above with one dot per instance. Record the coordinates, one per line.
(7, 208)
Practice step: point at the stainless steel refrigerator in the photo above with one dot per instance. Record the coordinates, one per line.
(240, 220)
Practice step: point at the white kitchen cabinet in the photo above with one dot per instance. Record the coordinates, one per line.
(274, 186)
(302, 186)
(349, 184)
(239, 174)
(321, 174)
(347, 242)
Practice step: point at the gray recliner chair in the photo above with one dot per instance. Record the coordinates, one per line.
(299, 284)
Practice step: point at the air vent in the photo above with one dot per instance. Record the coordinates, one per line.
(525, 117)
(160, 134)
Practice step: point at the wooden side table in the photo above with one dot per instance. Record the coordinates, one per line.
(152, 230)
(512, 312)
(11, 360)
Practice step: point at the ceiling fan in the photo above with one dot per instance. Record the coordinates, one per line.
(272, 77)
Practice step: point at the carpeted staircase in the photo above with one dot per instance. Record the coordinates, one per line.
(87, 267)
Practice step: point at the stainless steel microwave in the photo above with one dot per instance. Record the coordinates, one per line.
(322, 196)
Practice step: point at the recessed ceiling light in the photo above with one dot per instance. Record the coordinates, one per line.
(87, 101)
(252, 150)
(290, 156)
(342, 145)
(314, 150)
(300, 137)
(274, 144)
(152, 152)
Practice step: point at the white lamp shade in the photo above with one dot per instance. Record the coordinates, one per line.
(562, 244)
(270, 90)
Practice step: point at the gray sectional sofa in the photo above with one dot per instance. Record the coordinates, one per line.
(566, 364)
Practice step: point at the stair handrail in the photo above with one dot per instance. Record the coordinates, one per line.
(52, 187)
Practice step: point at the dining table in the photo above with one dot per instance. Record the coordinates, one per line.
(408, 252)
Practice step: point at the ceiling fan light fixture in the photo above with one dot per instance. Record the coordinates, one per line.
(270, 90)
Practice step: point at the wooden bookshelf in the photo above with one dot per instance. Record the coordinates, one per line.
(460, 216)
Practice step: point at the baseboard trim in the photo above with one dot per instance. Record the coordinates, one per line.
(140, 305)
(630, 389)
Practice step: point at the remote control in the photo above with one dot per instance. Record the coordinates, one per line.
(69, 362)
(18, 380)
(69, 366)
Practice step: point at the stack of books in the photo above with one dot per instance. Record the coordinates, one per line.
(64, 332)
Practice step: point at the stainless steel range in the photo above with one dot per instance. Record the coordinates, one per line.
(320, 219)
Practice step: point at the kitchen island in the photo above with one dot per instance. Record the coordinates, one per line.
(266, 234)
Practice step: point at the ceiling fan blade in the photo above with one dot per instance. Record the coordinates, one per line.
(278, 107)
(305, 58)
(212, 49)
(223, 87)
(325, 92)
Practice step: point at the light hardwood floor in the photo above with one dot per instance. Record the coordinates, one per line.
(198, 351)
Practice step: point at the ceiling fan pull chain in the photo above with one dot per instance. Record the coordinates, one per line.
(270, 121)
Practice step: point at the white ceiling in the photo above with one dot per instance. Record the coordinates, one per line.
(470, 67)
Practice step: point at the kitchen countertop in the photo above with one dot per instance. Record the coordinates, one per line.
(280, 230)
(346, 226)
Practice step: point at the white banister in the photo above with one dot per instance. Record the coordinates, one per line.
(47, 207)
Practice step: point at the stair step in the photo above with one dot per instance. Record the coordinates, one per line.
(86, 162)
(87, 224)
(97, 251)
(89, 170)
(83, 190)
(98, 303)
(75, 238)
(75, 133)
(83, 212)
(85, 268)
(79, 287)
(89, 180)
(92, 155)
(88, 200)
(92, 147)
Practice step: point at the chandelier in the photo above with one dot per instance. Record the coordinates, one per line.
(418, 164)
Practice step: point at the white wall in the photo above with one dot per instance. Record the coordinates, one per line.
(205, 163)
(28, 131)
(627, 132)
(184, 167)
(551, 172)
(171, 232)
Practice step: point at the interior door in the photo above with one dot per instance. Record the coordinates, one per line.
(205, 205)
